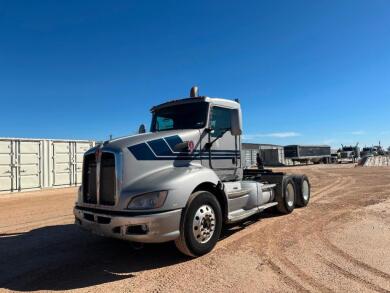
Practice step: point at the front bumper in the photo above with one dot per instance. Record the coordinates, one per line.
(150, 228)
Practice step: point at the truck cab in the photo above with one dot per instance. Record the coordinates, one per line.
(182, 181)
(349, 153)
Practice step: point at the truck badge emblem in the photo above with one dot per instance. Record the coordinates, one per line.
(190, 146)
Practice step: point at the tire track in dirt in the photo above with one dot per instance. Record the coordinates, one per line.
(352, 276)
(284, 267)
(341, 183)
(304, 276)
(285, 277)
(353, 260)
(289, 265)
(326, 188)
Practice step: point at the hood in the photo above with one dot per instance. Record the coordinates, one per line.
(144, 154)
(127, 141)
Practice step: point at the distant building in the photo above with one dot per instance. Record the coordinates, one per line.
(272, 155)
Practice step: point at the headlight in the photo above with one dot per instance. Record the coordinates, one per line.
(152, 200)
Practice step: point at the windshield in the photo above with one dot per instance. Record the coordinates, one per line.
(182, 116)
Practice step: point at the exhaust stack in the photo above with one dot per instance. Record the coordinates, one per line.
(194, 92)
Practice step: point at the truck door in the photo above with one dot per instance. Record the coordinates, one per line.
(224, 148)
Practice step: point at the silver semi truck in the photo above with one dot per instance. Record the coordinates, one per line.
(182, 181)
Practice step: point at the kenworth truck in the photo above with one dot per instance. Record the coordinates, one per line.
(182, 181)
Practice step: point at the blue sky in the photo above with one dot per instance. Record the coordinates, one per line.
(305, 71)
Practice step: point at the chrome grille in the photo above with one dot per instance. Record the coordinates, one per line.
(99, 178)
(89, 179)
(107, 179)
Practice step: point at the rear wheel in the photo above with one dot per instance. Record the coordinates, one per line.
(201, 224)
(303, 190)
(286, 199)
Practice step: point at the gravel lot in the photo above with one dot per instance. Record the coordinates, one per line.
(340, 242)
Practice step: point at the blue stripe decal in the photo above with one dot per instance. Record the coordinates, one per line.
(142, 152)
(173, 140)
(163, 149)
(159, 147)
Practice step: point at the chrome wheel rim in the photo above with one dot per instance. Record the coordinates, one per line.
(305, 190)
(290, 195)
(203, 224)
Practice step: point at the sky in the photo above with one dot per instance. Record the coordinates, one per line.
(306, 72)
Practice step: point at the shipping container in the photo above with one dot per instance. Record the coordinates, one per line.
(28, 164)
(272, 155)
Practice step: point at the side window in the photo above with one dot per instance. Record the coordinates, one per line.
(163, 123)
(220, 121)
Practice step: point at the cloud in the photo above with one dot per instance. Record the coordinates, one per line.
(358, 132)
(272, 134)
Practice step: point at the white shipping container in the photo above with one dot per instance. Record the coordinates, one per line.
(28, 164)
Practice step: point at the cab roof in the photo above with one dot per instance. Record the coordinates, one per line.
(215, 101)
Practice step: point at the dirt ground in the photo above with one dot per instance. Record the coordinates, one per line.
(340, 242)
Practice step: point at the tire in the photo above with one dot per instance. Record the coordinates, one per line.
(200, 225)
(303, 188)
(287, 197)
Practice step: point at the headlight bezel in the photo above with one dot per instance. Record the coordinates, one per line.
(144, 201)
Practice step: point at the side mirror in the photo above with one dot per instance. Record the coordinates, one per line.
(236, 123)
(141, 129)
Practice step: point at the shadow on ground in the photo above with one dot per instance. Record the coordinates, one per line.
(63, 257)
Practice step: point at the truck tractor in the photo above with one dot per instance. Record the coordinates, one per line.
(182, 181)
(349, 153)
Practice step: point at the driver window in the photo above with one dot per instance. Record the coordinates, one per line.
(163, 123)
(220, 121)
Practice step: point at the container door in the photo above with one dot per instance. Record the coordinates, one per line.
(62, 163)
(80, 149)
(247, 158)
(6, 166)
(29, 164)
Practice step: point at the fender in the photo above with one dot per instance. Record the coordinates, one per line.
(178, 181)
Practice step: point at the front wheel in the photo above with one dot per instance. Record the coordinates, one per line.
(200, 225)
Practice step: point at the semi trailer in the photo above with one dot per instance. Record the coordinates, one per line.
(182, 181)
(308, 153)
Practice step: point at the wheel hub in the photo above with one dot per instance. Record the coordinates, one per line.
(305, 190)
(203, 226)
(290, 195)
